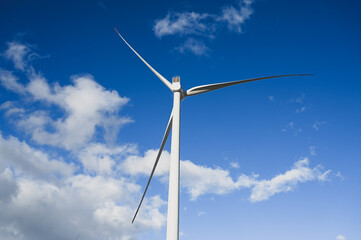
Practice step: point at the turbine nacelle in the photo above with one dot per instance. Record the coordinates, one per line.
(176, 86)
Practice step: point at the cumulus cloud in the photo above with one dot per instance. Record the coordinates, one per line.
(66, 204)
(92, 207)
(202, 25)
(142, 165)
(65, 178)
(29, 161)
(200, 180)
(100, 159)
(8, 186)
(83, 113)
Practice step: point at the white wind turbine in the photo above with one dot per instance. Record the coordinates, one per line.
(174, 123)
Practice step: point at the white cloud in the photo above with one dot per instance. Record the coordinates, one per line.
(236, 17)
(10, 82)
(300, 98)
(200, 180)
(66, 204)
(288, 181)
(196, 47)
(340, 237)
(316, 125)
(202, 25)
(83, 112)
(234, 165)
(68, 180)
(313, 151)
(184, 24)
(93, 207)
(291, 126)
(18, 53)
(142, 165)
(8, 186)
(201, 213)
(338, 174)
(100, 159)
(300, 110)
(29, 161)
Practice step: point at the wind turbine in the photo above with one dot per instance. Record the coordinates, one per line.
(174, 122)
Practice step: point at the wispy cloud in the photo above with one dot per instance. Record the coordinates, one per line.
(196, 47)
(300, 98)
(291, 127)
(338, 174)
(203, 24)
(316, 124)
(340, 237)
(301, 110)
(234, 165)
(10, 82)
(288, 181)
(201, 213)
(234, 18)
(313, 151)
(18, 53)
(186, 23)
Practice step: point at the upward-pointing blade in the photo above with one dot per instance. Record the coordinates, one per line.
(163, 79)
(215, 86)
(169, 126)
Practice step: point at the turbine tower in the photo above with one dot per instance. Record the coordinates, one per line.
(174, 123)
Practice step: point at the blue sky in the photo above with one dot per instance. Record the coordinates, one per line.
(82, 119)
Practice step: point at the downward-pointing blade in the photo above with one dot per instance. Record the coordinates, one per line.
(163, 79)
(169, 126)
(215, 86)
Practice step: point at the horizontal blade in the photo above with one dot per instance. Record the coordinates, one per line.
(163, 79)
(215, 86)
(167, 131)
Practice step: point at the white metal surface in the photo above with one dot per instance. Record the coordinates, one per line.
(173, 194)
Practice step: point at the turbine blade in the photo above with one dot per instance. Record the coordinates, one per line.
(215, 86)
(163, 79)
(169, 126)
